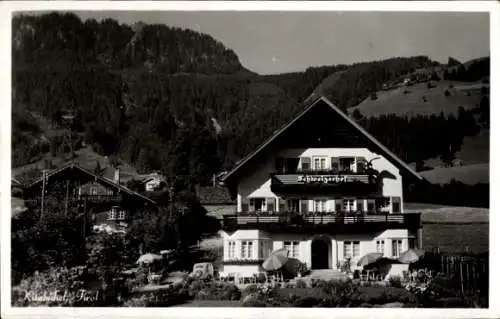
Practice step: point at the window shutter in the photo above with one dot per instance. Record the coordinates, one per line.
(335, 164)
(271, 204)
(281, 202)
(245, 204)
(305, 163)
(304, 205)
(360, 164)
(252, 205)
(396, 205)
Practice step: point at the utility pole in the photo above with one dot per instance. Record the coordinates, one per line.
(44, 174)
(67, 195)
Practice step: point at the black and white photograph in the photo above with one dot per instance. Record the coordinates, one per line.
(248, 158)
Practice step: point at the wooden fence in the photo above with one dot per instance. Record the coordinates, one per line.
(472, 272)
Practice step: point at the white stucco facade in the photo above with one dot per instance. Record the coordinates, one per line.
(390, 242)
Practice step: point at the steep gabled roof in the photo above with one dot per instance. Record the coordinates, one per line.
(209, 195)
(321, 99)
(102, 179)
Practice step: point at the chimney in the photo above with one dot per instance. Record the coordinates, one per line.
(116, 178)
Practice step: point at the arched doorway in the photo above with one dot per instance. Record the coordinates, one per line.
(320, 253)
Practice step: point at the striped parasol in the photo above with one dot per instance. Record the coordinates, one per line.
(276, 260)
(411, 256)
(369, 258)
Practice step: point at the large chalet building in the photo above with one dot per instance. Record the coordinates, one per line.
(321, 187)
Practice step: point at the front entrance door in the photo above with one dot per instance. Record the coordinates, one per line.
(320, 254)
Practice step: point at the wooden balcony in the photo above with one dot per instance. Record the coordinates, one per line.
(79, 199)
(306, 221)
(326, 182)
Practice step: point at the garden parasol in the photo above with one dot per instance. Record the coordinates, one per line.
(411, 256)
(369, 258)
(276, 260)
(148, 258)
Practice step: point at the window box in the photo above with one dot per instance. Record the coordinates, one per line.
(238, 262)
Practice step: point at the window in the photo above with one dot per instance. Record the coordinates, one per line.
(396, 205)
(348, 205)
(334, 164)
(346, 164)
(293, 205)
(370, 205)
(319, 163)
(397, 247)
(121, 215)
(232, 250)
(351, 249)
(271, 204)
(257, 204)
(320, 205)
(293, 248)
(246, 249)
(244, 204)
(261, 249)
(412, 243)
(112, 213)
(360, 164)
(380, 246)
(360, 204)
(93, 191)
(305, 163)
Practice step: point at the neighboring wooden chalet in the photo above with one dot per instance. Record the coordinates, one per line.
(105, 203)
(216, 200)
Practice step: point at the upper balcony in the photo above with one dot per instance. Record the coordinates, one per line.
(324, 181)
(328, 221)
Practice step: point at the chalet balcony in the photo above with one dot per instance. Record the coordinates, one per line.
(79, 199)
(324, 182)
(327, 221)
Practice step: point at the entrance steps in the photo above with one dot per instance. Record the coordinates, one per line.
(326, 274)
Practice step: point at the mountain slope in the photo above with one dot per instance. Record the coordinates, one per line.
(410, 100)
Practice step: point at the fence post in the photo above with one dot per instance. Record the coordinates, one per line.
(461, 278)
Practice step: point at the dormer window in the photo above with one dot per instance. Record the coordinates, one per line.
(346, 164)
(319, 163)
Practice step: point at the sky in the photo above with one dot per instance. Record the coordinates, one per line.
(278, 42)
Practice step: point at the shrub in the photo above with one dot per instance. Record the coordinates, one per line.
(254, 300)
(395, 281)
(252, 289)
(174, 295)
(301, 284)
(301, 268)
(218, 291)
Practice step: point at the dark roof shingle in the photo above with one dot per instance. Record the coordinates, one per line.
(213, 195)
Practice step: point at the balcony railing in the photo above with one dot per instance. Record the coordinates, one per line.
(320, 172)
(293, 218)
(75, 199)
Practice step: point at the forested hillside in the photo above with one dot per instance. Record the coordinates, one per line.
(162, 98)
